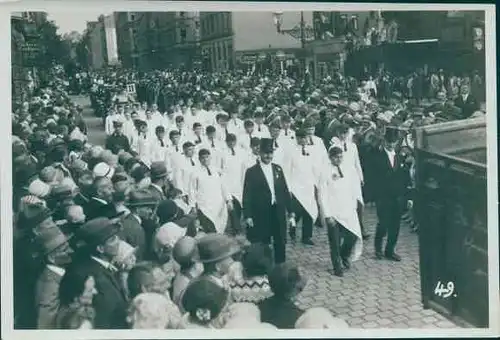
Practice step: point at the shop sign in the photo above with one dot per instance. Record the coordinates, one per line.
(31, 51)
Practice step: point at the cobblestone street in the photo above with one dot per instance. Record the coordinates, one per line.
(372, 294)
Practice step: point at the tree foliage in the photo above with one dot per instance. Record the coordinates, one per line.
(54, 48)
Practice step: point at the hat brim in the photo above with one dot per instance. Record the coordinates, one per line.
(142, 204)
(235, 249)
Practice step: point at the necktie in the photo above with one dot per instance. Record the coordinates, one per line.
(232, 151)
(176, 148)
(213, 145)
(275, 143)
(286, 132)
(340, 172)
(304, 153)
(208, 170)
(161, 142)
(258, 128)
(311, 141)
(192, 162)
(144, 137)
(226, 131)
(199, 140)
(345, 146)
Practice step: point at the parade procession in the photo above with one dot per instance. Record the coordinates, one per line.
(177, 198)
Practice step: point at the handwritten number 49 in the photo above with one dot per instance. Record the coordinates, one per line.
(444, 291)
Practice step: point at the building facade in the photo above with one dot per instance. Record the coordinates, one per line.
(249, 39)
(102, 42)
(126, 25)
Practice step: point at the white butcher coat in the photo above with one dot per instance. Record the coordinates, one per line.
(209, 195)
(337, 200)
(233, 171)
(182, 169)
(352, 164)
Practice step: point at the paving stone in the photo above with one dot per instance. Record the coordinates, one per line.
(370, 324)
(429, 319)
(384, 322)
(399, 318)
(371, 317)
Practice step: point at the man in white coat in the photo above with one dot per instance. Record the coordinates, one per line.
(280, 145)
(214, 145)
(260, 129)
(233, 162)
(303, 176)
(247, 135)
(159, 146)
(352, 163)
(112, 117)
(183, 167)
(209, 195)
(338, 211)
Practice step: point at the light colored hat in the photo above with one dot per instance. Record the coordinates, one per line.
(103, 170)
(74, 213)
(109, 158)
(96, 151)
(354, 107)
(168, 235)
(320, 318)
(39, 188)
(48, 174)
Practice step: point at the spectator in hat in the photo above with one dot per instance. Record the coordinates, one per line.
(57, 255)
(75, 219)
(100, 236)
(390, 187)
(164, 240)
(61, 197)
(76, 293)
(159, 180)
(142, 206)
(151, 311)
(266, 202)
(101, 202)
(215, 251)
(117, 141)
(141, 176)
(206, 303)
(184, 253)
(286, 283)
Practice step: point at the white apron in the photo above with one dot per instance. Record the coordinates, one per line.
(337, 200)
(302, 178)
(209, 195)
(233, 172)
(352, 164)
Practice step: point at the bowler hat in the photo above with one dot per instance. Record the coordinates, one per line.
(98, 230)
(185, 250)
(51, 240)
(266, 145)
(216, 247)
(158, 170)
(141, 198)
(167, 211)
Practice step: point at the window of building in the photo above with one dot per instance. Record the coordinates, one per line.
(343, 24)
(354, 22)
(212, 24)
(183, 34)
(131, 17)
(182, 14)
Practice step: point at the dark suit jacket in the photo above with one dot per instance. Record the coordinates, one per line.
(280, 313)
(391, 183)
(47, 299)
(133, 233)
(116, 143)
(257, 201)
(95, 208)
(158, 195)
(468, 107)
(110, 303)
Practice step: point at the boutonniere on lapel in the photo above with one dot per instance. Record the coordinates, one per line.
(277, 173)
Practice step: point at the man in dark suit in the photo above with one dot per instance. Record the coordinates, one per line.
(466, 102)
(100, 204)
(57, 253)
(390, 189)
(266, 201)
(117, 141)
(142, 206)
(158, 180)
(102, 242)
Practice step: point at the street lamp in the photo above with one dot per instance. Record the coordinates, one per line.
(301, 31)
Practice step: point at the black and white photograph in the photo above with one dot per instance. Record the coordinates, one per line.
(250, 168)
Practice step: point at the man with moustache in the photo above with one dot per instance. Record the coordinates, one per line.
(267, 201)
(101, 203)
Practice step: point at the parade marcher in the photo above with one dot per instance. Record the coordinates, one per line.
(280, 146)
(246, 137)
(266, 201)
(183, 166)
(159, 146)
(253, 155)
(286, 127)
(117, 141)
(338, 208)
(232, 173)
(389, 189)
(197, 134)
(214, 145)
(352, 163)
(208, 193)
(260, 129)
(302, 179)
